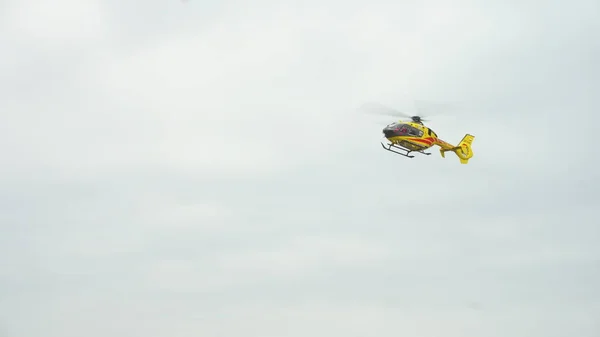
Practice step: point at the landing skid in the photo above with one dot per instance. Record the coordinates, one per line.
(401, 148)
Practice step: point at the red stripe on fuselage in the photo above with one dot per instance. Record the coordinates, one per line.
(428, 141)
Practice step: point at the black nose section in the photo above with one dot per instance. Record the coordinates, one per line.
(391, 131)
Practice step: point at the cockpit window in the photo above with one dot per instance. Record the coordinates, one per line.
(405, 129)
(413, 131)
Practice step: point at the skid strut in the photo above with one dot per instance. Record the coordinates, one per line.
(407, 151)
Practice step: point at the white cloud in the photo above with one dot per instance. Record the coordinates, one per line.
(299, 319)
(63, 21)
(164, 213)
(284, 262)
(200, 169)
(196, 102)
(303, 254)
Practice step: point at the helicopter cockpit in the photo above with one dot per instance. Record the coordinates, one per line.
(401, 129)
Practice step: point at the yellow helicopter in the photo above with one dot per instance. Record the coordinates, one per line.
(414, 136)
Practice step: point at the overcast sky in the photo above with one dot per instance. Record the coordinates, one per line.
(199, 168)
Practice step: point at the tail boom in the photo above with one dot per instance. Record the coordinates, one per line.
(463, 150)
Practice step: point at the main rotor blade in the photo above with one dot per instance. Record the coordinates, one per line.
(380, 109)
(437, 108)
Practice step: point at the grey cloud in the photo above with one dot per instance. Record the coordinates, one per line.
(134, 202)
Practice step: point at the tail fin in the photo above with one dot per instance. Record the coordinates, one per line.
(463, 149)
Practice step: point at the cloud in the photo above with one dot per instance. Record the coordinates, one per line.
(302, 254)
(65, 22)
(199, 168)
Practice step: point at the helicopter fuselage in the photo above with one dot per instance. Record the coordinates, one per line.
(412, 136)
(415, 137)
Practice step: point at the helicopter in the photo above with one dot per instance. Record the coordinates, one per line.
(406, 137)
